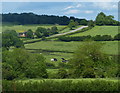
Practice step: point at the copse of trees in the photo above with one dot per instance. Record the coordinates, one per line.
(43, 32)
(29, 34)
(72, 24)
(21, 64)
(102, 19)
(89, 62)
(10, 38)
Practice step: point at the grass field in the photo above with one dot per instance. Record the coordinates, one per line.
(99, 30)
(22, 28)
(56, 49)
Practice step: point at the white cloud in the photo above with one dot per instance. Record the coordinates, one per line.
(105, 5)
(79, 5)
(75, 11)
(88, 11)
(69, 7)
(73, 6)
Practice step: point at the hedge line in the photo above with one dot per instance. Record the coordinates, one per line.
(95, 38)
(65, 85)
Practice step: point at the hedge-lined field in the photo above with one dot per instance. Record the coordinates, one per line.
(61, 85)
(22, 28)
(99, 30)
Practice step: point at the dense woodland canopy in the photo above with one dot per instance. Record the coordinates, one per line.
(30, 18)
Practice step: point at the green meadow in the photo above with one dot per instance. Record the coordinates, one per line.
(22, 28)
(99, 30)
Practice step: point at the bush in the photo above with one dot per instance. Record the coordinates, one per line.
(50, 65)
(23, 64)
(62, 73)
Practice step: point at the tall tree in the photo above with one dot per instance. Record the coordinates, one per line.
(29, 34)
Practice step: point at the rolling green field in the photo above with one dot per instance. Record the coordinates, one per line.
(99, 30)
(57, 49)
(22, 28)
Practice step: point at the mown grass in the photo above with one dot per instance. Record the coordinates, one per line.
(99, 30)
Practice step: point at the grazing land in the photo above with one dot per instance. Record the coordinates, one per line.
(22, 28)
(59, 49)
(99, 30)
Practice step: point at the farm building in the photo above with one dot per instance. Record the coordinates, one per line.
(22, 34)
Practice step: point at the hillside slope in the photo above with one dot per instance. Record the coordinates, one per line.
(99, 30)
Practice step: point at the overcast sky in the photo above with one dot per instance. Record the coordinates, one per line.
(87, 10)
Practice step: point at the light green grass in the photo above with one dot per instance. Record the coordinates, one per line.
(73, 80)
(99, 30)
(110, 47)
(22, 28)
(61, 49)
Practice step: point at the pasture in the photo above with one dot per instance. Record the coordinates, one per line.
(22, 28)
(99, 30)
(57, 49)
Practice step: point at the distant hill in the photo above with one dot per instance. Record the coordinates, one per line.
(31, 18)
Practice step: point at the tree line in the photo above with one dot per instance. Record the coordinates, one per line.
(95, 38)
(31, 18)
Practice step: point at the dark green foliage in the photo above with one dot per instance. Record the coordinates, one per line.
(102, 19)
(62, 86)
(62, 73)
(43, 32)
(102, 38)
(83, 38)
(40, 32)
(29, 34)
(24, 64)
(50, 65)
(91, 23)
(83, 22)
(71, 24)
(89, 62)
(117, 37)
(10, 38)
(54, 30)
(30, 18)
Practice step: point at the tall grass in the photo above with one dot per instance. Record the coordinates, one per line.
(61, 85)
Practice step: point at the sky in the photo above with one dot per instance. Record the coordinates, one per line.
(87, 10)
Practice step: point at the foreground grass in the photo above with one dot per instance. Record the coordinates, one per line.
(61, 85)
(99, 30)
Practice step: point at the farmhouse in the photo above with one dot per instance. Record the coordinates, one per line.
(22, 34)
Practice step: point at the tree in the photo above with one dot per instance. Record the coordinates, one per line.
(62, 73)
(76, 23)
(117, 37)
(54, 30)
(91, 23)
(71, 24)
(40, 32)
(83, 22)
(29, 34)
(100, 19)
(89, 62)
(22, 63)
(10, 38)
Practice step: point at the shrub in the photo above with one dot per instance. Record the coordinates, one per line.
(62, 73)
